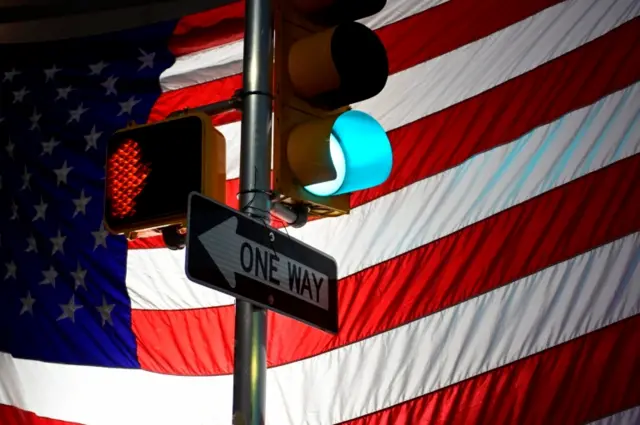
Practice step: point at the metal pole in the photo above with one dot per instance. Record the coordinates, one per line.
(250, 362)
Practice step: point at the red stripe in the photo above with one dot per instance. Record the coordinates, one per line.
(151, 242)
(208, 29)
(186, 342)
(588, 378)
(432, 33)
(488, 254)
(10, 415)
(440, 141)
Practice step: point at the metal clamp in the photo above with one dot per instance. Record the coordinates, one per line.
(235, 102)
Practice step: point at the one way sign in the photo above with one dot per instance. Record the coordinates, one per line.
(233, 253)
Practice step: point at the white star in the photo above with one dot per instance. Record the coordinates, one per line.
(9, 75)
(92, 138)
(105, 311)
(32, 244)
(74, 114)
(34, 119)
(110, 85)
(11, 270)
(49, 277)
(41, 210)
(127, 107)
(18, 96)
(27, 304)
(78, 277)
(69, 310)
(62, 173)
(97, 68)
(14, 211)
(101, 236)
(25, 179)
(47, 147)
(51, 72)
(10, 148)
(81, 204)
(58, 243)
(63, 93)
(146, 59)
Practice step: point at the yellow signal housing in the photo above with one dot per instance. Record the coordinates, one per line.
(324, 61)
(152, 168)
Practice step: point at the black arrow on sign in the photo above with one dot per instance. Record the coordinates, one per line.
(235, 255)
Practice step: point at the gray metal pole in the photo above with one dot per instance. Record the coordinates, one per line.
(250, 363)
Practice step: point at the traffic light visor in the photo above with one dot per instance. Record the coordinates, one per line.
(360, 153)
(341, 65)
(150, 173)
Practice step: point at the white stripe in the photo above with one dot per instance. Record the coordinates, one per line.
(626, 417)
(553, 306)
(582, 141)
(223, 61)
(437, 84)
(156, 280)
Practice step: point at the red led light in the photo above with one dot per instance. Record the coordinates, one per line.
(127, 176)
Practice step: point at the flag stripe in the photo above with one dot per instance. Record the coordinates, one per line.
(10, 415)
(545, 158)
(493, 60)
(507, 111)
(626, 417)
(445, 28)
(208, 29)
(226, 60)
(572, 383)
(477, 259)
(531, 315)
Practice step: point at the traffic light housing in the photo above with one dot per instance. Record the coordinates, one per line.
(325, 61)
(152, 168)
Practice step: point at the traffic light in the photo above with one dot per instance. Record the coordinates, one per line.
(152, 168)
(325, 61)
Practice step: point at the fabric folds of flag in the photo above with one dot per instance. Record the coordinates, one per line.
(494, 278)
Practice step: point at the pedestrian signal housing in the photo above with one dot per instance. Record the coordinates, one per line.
(152, 168)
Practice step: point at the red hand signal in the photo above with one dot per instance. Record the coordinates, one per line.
(127, 177)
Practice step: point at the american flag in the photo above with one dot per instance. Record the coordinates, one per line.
(493, 279)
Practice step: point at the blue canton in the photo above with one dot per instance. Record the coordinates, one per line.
(63, 296)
